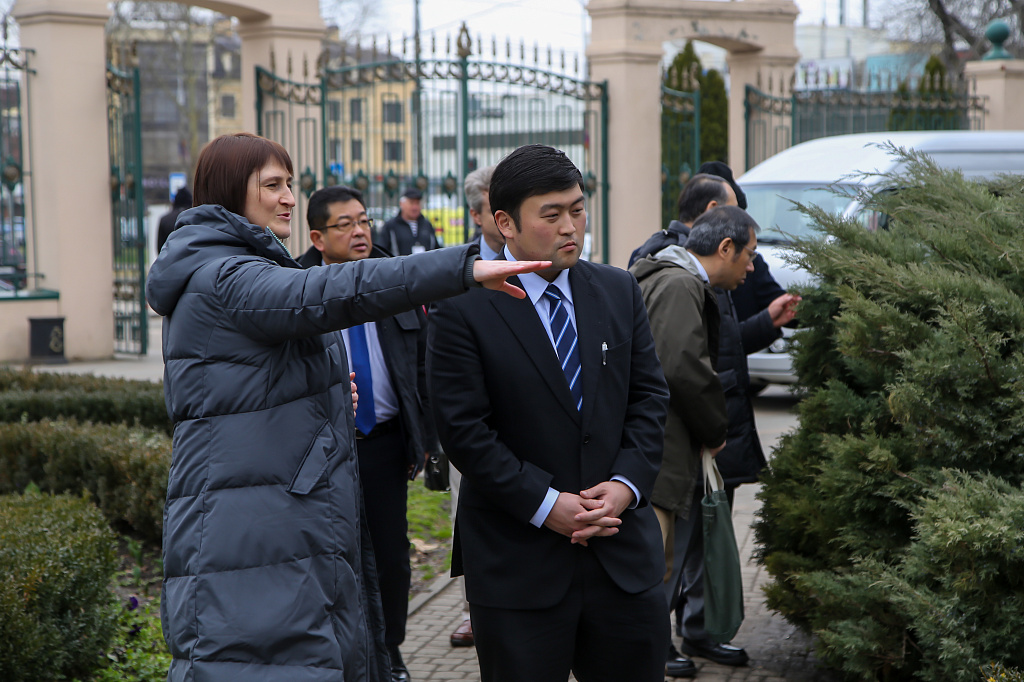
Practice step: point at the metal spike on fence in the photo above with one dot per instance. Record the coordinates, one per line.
(549, 56)
(305, 66)
(522, 50)
(374, 47)
(405, 42)
(508, 48)
(448, 44)
(759, 80)
(576, 64)
(494, 46)
(273, 61)
(433, 44)
(563, 59)
(792, 81)
(359, 52)
(771, 83)
(387, 55)
(479, 44)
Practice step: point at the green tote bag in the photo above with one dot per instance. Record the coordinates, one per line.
(723, 586)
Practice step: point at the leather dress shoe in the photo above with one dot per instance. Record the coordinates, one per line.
(723, 654)
(463, 636)
(677, 666)
(399, 673)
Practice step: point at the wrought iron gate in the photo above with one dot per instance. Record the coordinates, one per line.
(680, 146)
(390, 120)
(776, 122)
(128, 210)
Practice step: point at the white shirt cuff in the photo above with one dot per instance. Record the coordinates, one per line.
(636, 493)
(545, 508)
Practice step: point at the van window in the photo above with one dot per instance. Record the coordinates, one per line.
(771, 206)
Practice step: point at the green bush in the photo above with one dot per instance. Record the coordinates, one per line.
(57, 559)
(124, 469)
(31, 396)
(138, 652)
(891, 518)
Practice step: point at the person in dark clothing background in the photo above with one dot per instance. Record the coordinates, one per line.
(182, 200)
(410, 231)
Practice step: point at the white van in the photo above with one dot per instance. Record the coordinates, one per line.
(803, 174)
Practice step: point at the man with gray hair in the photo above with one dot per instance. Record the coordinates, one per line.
(678, 287)
(477, 187)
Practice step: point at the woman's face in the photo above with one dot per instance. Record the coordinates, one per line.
(269, 200)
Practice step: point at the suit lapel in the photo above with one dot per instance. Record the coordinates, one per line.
(590, 333)
(521, 317)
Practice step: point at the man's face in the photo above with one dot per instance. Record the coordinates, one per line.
(740, 262)
(346, 236)
(410, 208)
(551, 227)
(485, 219)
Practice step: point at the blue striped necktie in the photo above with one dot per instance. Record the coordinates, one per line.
(365, 417)
(565, 343)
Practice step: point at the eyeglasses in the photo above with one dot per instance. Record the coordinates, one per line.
(752, 252)
(365, 223)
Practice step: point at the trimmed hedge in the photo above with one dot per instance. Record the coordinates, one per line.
(893, 517)
(31, 396)
(124, 469)
(57, 559)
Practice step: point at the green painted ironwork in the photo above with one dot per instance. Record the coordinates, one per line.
(776, 122)
(16, 233)
(680, 146)
(381, 105)
(131, 326)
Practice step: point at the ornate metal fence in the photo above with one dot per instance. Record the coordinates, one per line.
(392, 116)
(775, 122)
(16, 235)
(128, 210)
(680, 146)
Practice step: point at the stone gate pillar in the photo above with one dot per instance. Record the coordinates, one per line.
(70, 170)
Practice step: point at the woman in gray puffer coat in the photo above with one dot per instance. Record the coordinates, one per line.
(268, 571)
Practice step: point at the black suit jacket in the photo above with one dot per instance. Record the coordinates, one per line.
(506, 420)
(403, 341)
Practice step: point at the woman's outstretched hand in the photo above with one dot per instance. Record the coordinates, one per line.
(493, 274)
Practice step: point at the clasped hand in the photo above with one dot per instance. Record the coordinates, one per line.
(595, 512)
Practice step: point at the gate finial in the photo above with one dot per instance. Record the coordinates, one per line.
(464, 43)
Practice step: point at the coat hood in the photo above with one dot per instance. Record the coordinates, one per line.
(669, 257)
(205, 234)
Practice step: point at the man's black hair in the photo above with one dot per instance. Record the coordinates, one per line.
(723, 171)
(528, 171)
(317, 213)
(698, 193)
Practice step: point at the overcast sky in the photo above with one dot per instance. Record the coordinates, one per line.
(560, 23)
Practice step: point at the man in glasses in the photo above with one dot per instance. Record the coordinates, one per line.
(394, 428)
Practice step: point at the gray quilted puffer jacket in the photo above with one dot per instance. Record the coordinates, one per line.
(268, 572)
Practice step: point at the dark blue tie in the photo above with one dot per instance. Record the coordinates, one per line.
(365, 418)
(565, 343)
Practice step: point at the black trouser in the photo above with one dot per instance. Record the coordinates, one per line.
(384, 472)
(598, 631)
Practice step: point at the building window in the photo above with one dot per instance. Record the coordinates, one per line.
(357, 150)
(227, 106)
(394, 150)
(355, 110)
(333, 110)
(336, 150)
(392, 112)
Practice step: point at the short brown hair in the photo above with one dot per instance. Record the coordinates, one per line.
(225, 164)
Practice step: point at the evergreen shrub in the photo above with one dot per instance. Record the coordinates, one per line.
(57, 559)
(124, 469)
(893, 517)
(31, 396)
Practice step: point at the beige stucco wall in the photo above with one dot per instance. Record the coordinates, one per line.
(1002, 83)
(626, 50)
(70, 169)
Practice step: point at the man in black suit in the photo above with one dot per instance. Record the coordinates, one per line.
(553, 408)
(393, 425)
